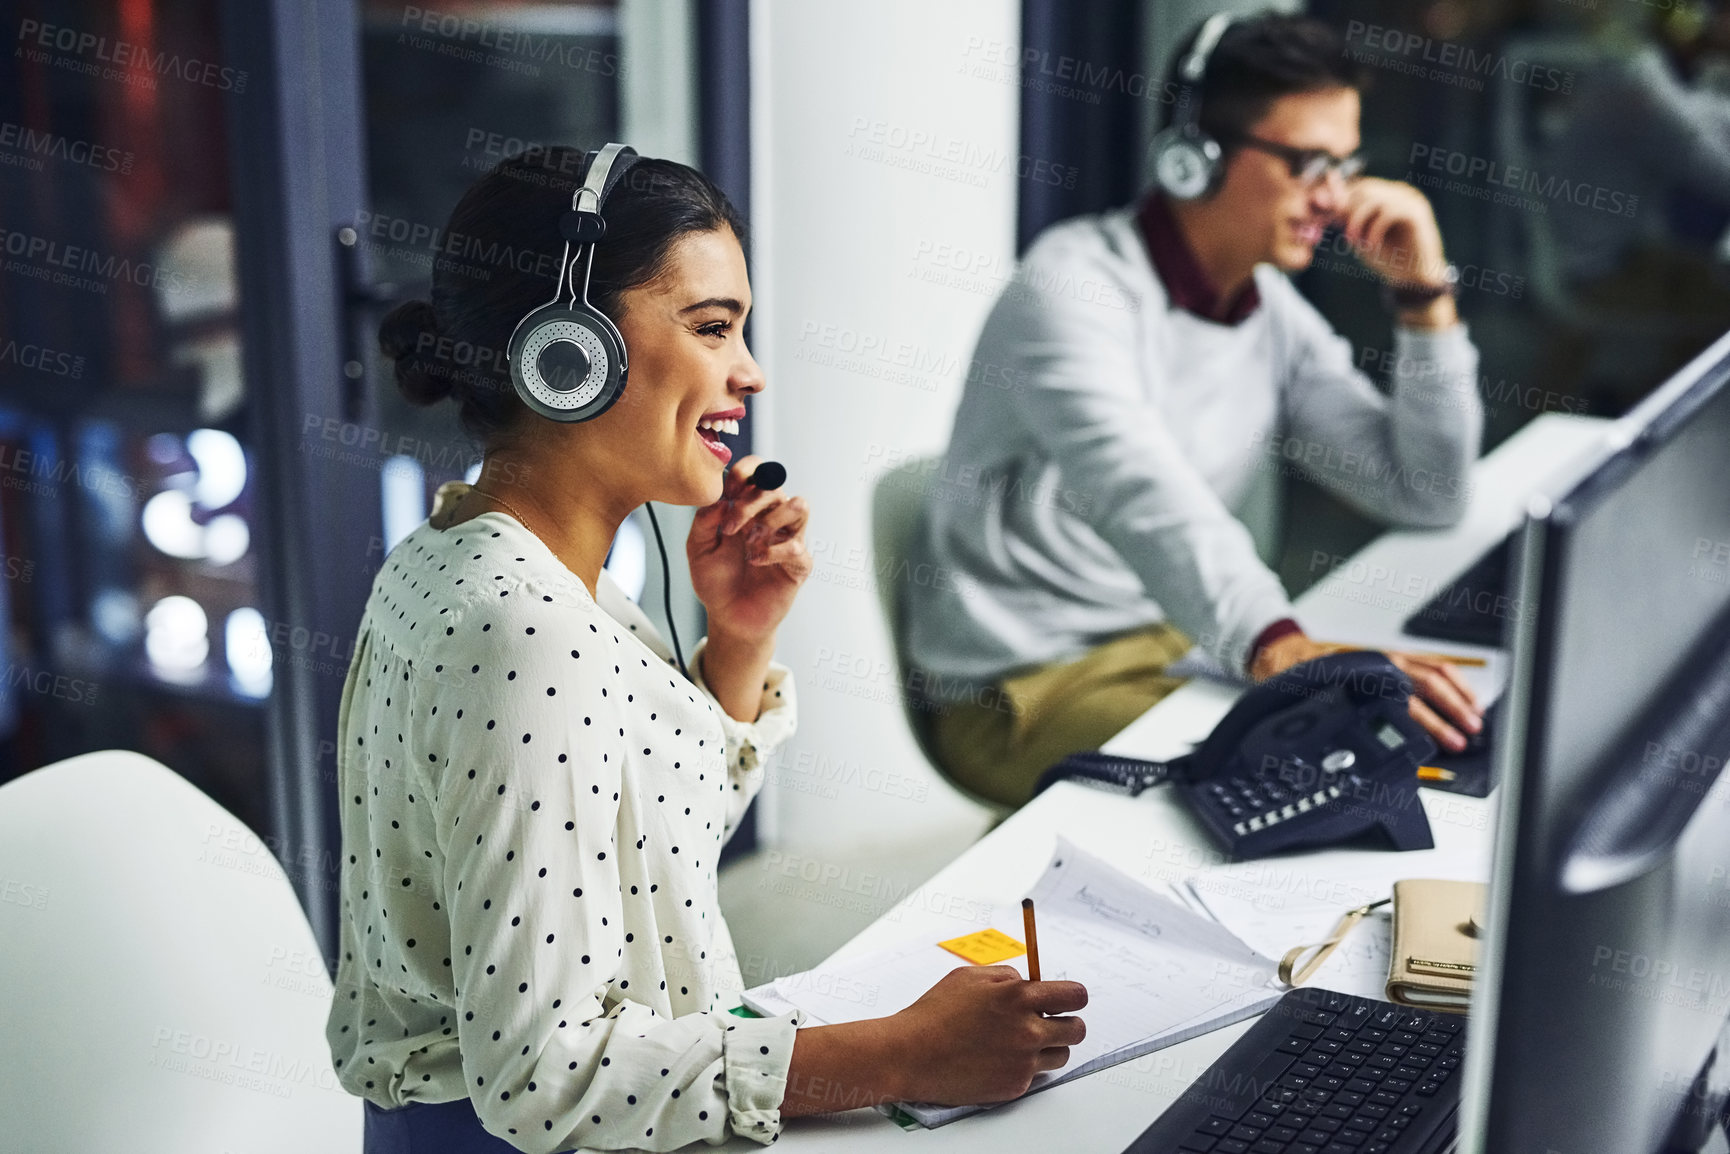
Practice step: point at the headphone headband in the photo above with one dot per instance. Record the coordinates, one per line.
(606, 167)
(1193, 70)
(1187, 163)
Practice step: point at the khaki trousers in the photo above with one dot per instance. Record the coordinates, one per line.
(1045, 714)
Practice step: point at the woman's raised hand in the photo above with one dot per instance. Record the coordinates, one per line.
(748, 556)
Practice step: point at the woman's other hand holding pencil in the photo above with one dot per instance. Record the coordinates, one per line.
(982, 1033)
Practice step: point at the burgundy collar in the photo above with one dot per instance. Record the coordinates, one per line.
(1186, 282)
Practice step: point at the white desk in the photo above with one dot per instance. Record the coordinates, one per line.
(1152, 837)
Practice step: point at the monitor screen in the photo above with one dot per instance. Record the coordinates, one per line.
(1605, 983)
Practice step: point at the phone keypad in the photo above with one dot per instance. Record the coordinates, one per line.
(1258, 805)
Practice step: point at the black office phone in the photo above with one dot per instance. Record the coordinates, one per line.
(1320, 754)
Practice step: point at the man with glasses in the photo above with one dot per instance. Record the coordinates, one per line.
(1142, 382)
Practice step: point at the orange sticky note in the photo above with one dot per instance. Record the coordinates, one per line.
(985, 948)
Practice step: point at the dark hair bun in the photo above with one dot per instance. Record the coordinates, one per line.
(407, 335)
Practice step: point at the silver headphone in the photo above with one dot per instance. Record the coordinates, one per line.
(1188, 164)
(567, 358)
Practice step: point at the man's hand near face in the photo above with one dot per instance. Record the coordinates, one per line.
(1393, 231)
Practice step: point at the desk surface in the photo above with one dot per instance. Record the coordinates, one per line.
(1363, 600)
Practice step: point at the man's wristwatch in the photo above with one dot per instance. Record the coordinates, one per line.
(1399, 298)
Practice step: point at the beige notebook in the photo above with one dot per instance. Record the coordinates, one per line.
(1435, 949)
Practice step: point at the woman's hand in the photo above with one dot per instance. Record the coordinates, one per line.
(976, 1037)
(981, 1034)
(748, 557)
(1443, 704)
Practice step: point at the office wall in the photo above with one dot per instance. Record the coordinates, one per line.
(885, 175)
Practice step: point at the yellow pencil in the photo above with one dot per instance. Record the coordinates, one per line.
(1444, 658)
(1032, 939)
(1435, 773)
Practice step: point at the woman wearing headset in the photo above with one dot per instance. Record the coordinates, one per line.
(534, 797)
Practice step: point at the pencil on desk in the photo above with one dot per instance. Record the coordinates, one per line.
(1032, 939)
(1444, 658)
(1436, 774)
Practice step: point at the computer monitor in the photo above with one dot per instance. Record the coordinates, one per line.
(1599, 1013)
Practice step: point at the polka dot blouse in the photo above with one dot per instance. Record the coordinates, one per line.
(533, 801)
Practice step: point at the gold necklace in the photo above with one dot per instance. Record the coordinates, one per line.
(508, 507)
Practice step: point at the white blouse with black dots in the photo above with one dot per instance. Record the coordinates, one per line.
(533, 801)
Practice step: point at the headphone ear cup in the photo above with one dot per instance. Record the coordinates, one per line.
(1187, 163)
(567, 362)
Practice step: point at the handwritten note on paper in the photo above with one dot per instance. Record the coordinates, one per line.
(1156, 972)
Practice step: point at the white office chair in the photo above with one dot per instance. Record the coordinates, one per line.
(897, 513)
(160, 988)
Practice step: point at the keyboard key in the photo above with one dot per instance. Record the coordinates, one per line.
(1361, 1085)
(1316, 1032)
(1293, 1046)
(1266, 1146)
(1397, 1085)
(1385, 1097)
(1246, 1133)
(1363, 1124)
(1315, 1137)
(1216, 1126)
(1231, 1146)
(1258, 1119)
(1428, 1089)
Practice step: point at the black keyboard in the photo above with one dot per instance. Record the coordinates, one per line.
(1323, 1073)
(1473, 607)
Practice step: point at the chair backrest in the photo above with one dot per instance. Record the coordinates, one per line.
(897, 512)
(897, 516)
(160, 988)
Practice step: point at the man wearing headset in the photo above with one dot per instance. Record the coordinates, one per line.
(1144, 369)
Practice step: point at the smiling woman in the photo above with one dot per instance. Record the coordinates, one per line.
(533, 796)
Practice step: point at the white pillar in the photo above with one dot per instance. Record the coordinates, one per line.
(884, 141)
